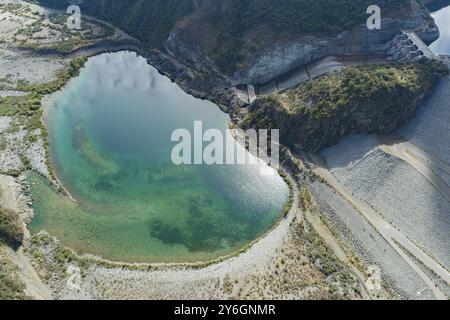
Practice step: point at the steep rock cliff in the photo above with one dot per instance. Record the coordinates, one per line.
(365, 99)
(212, 45)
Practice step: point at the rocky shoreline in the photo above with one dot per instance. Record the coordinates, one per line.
(206, 86)
(94, 278)
(218, 280)
(205, 81)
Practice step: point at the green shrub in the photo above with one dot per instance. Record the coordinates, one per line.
(11, 229)
(19, 105)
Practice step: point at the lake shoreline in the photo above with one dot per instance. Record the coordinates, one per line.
(255, 256)
(250, 259)
(98, 49)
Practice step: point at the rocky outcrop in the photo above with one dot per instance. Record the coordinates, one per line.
(187, 64)
(283, 57)
(357, 100)
(304, 132)
(407, 46)
(200, 81)
(192, 53)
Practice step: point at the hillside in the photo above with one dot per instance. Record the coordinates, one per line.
(365, 99)
(229, 31)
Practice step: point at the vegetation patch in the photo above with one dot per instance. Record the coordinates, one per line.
(151, 22)
(11, 7)
(11, 287)
(363, 99)
(243, 28)
(19, 105)
(62, 77)
(234, 30)
(27, 111)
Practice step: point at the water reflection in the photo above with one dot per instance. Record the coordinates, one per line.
(109, 134)
(442, 18)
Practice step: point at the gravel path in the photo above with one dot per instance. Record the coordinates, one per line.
(368, 243)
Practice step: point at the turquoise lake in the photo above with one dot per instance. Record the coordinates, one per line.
(110, 142)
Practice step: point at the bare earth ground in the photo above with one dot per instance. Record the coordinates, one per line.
(12, 197)
(398, 182)
(321, 250)
(290, 262)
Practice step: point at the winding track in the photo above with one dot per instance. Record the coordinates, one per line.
(396, 239)
(419, 160)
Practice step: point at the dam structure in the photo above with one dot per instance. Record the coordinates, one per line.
(406, 46)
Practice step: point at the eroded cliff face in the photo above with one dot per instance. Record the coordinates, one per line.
(280, 57)
(210, 46)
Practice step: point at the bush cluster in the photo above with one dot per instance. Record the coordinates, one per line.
(363, 99)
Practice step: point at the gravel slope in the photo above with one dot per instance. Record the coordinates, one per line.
(396, 190)
(368, 243)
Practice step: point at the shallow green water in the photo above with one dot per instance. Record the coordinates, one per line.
(109, 133)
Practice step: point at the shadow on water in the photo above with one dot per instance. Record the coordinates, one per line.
(110, 140)
(437, 5)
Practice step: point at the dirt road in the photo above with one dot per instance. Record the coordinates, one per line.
(393, 236)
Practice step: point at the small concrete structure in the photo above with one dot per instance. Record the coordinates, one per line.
(246, 93)
(315, 69)
(408, 46)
